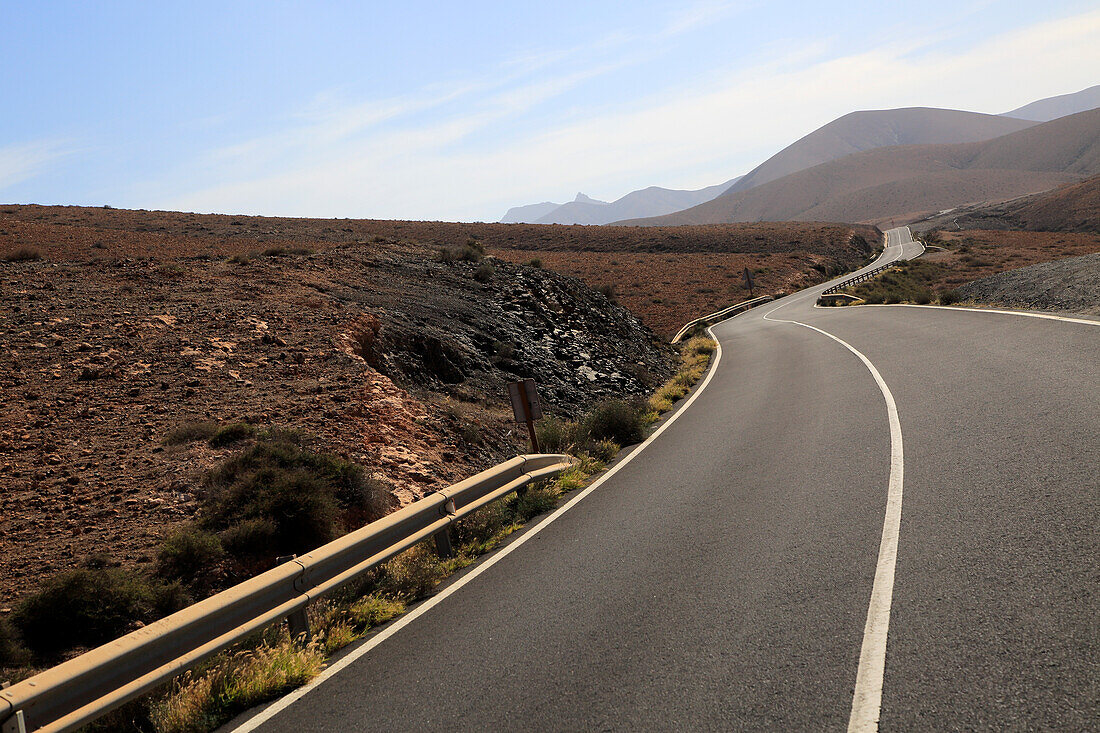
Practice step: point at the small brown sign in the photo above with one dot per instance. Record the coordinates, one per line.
(525, 400)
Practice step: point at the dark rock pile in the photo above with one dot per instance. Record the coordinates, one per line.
(1070, 285)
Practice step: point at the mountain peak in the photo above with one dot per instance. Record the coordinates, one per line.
(582, 199)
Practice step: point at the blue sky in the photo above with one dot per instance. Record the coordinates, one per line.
(457, 111)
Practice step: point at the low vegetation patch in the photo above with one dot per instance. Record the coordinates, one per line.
(912, 281)
(695, 356)
(91, 606)
(23, 254)
(271, 664)
(190, 432)
(234, 683)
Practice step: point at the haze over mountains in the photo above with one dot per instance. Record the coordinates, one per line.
(910, 180)
(652, 201)
(863, 189)
(1052, 108)
(859, 131)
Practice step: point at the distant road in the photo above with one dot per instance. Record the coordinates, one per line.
(868, 511)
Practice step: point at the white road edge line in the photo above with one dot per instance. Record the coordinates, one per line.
(1047, 316)
(867, 698)
(286, 701)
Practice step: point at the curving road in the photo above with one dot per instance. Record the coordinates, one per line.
(872, 516)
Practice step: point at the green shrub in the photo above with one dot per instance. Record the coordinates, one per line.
(190, 432)
(460, 254)
(302, 505)
(276, 497)
(12, 653)
(250, 541)
(608, 291)
(87, 607)
(484, 272)
(537, 500)
(23, 254)
(230, 434)
(625, 423)
(556, 435)
(187, 552)
(950, 297)
(536, 263)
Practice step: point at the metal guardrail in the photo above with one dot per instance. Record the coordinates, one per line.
(80, 690)
(856, 279)
(706, 320)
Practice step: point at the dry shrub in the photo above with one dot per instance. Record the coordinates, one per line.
(235, 683)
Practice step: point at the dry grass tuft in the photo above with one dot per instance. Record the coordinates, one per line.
(235, 683)
(695, 356)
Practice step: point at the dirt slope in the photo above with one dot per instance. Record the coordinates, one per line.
(1074, 207)
(899, 182)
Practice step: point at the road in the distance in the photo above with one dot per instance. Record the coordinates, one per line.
(721, 579)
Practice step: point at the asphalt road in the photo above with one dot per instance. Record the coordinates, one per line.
(722, 578)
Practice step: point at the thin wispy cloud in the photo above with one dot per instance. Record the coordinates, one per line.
(23, 161)
(709, 131)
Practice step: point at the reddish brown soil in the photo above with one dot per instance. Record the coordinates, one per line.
(101, 362)
(684, 272)
(132, 323)
(977, 253)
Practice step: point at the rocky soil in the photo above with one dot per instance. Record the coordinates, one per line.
(973, 254)
(1074, 207)
(670, 282)
(1070, 285)
(129, 327)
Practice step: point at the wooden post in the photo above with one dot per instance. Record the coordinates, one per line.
(530, 421)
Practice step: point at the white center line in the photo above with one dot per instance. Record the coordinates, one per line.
(867, 698)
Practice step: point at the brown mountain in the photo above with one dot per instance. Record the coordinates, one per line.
(870, 129)
(1052, 108)
(911, 180)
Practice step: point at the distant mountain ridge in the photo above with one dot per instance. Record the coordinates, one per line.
(869, 129)
(652, 201)
(850, 135)
(1051, 108)
(910, 179)
(528, 213)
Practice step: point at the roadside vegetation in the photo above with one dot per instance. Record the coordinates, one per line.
(911, 281)
(275, 496)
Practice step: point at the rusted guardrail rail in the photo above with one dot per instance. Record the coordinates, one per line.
(82, 689)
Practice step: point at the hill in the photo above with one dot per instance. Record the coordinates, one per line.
(1074, 207)
(119, 328)
(908, 181)
(867, 130)
(652, 201)
(1052, 108)
(528, 213)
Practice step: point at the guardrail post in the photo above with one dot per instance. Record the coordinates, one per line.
(297, 623)
(15, 724)
(443, 545)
